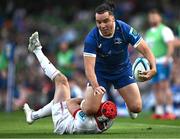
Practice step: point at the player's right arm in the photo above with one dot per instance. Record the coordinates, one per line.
(89, 64)
(169, 39)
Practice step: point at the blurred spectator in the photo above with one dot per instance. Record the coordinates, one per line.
(64, 58)
(159, 38)
(3, 75)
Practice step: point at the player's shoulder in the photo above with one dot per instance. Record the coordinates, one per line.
(165, 28)
(123, 25)
(167, 33)
(120, 21)
(92, 33)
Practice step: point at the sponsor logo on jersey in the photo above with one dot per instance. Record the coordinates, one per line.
(100, 45)
(82, 115)
(131, 77)
(134, 33)
(117, 41)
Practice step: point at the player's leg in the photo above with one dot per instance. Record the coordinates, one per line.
(169, 94)
(128, 89)
(159, 96)
(132, 98)
(168, 97)
(32, 115)
(35, 47)
(168, 101)
(62, 91)
(163, 93)
(158, 91)
(169, 112)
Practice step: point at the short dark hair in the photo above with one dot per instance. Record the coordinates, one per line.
(107, 6)
(154, 11)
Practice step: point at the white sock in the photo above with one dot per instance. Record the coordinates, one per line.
(159, 110)
(46, 65)
(169, 108)
(43, 112)
(131, 114)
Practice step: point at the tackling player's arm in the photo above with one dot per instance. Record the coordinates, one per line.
(146, 52)
(74, 105)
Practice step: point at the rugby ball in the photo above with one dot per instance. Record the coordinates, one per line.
(141, 64)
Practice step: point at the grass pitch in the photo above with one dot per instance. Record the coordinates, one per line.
(13, 125)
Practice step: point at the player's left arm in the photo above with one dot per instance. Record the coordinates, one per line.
(136, 40)
(176, 42)
(169, 39)
(170, 45)
(146, 52)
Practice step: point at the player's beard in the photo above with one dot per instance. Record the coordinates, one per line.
(154, 24)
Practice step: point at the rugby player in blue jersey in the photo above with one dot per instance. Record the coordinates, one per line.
(107, 62)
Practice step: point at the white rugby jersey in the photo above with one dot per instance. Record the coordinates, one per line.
(88, 124)
(80, 123)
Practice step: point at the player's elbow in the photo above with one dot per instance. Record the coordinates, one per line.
(61, 79)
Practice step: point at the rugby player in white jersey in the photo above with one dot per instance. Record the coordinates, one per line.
(66, 113)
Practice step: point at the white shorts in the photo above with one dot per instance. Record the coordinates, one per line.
(62, 119)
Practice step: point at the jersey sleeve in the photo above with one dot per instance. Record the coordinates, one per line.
(167, 34)
(131, 35)
(90, 46)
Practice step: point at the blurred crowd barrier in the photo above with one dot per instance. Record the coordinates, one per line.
(62, 28)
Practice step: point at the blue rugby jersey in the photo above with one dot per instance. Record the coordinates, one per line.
(112, 57)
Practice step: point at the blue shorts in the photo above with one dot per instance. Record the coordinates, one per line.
(118, 82)
(163, 73)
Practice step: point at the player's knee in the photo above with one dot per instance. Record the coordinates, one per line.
(61, 79)
(136, 108)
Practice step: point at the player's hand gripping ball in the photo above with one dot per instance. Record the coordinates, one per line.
(140, 65)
